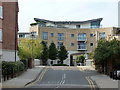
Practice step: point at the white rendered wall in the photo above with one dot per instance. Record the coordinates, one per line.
(70, 26)
(9, 55)
(50, 24)
(85, 25)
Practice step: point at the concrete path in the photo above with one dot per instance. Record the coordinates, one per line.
(102, 81)
(23, 79)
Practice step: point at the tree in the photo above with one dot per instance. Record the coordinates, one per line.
(25, 49)
(80, 58)
(91, 55)
(105, 52)
(44, 55)
(62, 54)
(52, 51)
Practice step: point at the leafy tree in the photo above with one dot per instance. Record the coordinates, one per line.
(44, 55)
(52, 51)
(80, 58)
(91, 55)
(25, 49)
(107, 51)
(62, 54)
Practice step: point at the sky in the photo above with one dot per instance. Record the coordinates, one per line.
(67, 10)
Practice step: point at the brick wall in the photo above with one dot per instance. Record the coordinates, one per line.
(8, 25)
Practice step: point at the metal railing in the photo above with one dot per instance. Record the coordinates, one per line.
(81, 39)
(81, 47)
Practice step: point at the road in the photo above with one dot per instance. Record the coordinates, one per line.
(64, 77)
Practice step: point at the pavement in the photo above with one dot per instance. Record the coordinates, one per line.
(102, 81)
(22, 80)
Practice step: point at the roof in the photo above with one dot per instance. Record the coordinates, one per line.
(68, 22)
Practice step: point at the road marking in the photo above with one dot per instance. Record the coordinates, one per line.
(39, 78)
(92, 86)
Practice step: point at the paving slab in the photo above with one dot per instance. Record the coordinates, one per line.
(104, 81)
(22, 80)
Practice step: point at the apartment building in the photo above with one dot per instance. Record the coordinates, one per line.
(9, 30)
(79, 37)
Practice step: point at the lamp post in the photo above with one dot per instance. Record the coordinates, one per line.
(32, 45)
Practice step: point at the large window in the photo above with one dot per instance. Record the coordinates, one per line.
(102, 35)
(77, 26)
(1, 12)
(82, 37)
(45, 35)
(0, 35)
(59, 44)
(60, 36)
(95, 24)
(82, 45)
(34, 34)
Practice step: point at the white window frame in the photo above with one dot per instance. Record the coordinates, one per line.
(1, 37)
(1, 13)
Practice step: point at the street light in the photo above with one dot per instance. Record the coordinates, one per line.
(32, 44)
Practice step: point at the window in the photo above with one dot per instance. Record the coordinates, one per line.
(77, 26)
(1, 12)
(95, 24)
(82, 45)
(45, 35)
(72, 35)
(0, 35)
(60, 36)
(91, 35)
(21, 36)
(102, 35)
(59, 44)
(34, 34)
(82, 36)
(52, 34)
(72, 44)
(91, 44)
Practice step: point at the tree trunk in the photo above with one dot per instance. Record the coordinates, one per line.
(61, 61)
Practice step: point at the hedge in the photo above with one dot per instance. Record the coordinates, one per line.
(10, 68)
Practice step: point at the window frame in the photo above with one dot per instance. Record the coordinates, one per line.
(1, 35)
(1, 9)
(52, 34)
(72, 35)
(43, 35)
(72, 44)
(91, 44)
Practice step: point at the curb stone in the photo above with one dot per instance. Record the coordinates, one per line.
(35, 78)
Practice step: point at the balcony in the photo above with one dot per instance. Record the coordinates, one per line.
(81, 39)
(81, 47)
(61, 38)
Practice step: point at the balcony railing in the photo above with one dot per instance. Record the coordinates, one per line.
(81, 47)
(60, 38)
(81, 39)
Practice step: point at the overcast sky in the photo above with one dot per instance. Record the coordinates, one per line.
(67, 10)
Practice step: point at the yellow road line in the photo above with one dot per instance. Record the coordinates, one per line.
(92, 83)
(39, 78)
(89, 82)
(92, 86)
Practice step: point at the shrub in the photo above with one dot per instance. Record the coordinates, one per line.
(10, 68)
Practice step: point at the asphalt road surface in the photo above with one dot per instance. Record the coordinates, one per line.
(64, 77)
